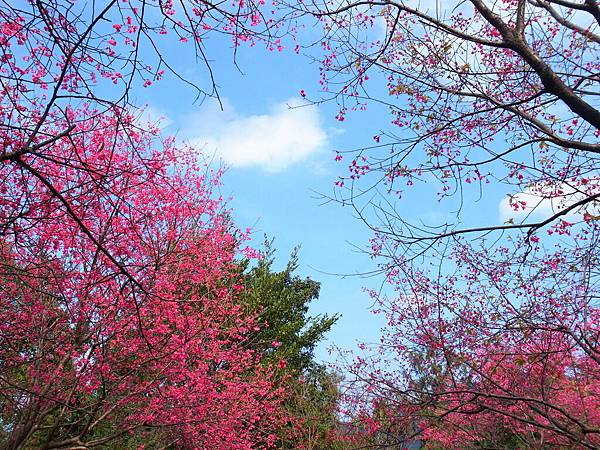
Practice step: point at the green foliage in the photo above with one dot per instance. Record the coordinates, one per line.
(289, 334)
(281, 301)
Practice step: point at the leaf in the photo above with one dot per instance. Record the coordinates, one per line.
(519, 361)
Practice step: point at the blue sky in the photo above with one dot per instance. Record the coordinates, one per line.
(280, 160)
(277, 194)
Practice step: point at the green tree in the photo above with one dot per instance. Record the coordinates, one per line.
(287, 337)
(281, 301)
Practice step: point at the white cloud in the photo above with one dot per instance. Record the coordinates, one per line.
(150, 116)
(288, 134)
(540, 202)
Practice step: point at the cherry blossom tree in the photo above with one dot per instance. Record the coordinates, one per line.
(498, 94)
(493, 333)
(119, 311)
(119, 302)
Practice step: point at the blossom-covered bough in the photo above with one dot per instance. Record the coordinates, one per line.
(67, 62)
(493, 334)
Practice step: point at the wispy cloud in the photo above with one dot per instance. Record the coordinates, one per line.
(540, 202)
(150, 116)
(287, 134)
